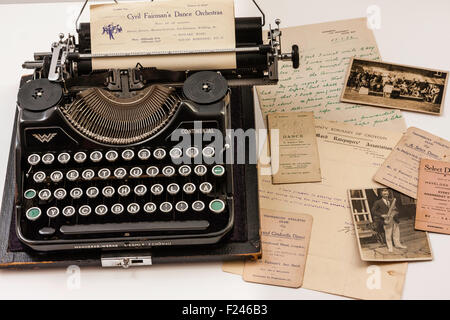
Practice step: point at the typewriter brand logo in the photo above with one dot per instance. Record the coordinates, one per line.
(111, 30)
(44, 137)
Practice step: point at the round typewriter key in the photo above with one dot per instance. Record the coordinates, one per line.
(63, 158)
(173, 188)
(181, 206)
(159, 153)
(92, 192)
(168, 171)
(88, 174)
(117, 208)
(208, 152)
(200, 170)
(80, 157)
(104, 173)
(184, 170)
(217, 206)
(60, 193)
(84, 210)
(189, 188)
(96, 156)
(205, 187)
(34, 159)
(120, 173)
(128, 154)
(152, 171)
(133, 208)
(192, 152)
(33, 213)
(218, 170)
(144, 154)
(101, 210)
(176, 153)
(48, 158)
(68, 211)
(165, 207)
(39, 177)
(56, 176)
(140, 190)
(124, 190)
(150, 207)
(76, 193)
(72, 175)
(29, 194)
(198, 205)
(136, 172)
(52, 212)
(157, 189)
(108, 191)
(45, 194)
(111, 155)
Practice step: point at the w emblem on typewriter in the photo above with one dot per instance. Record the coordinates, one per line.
(111, 30)
(44, 137)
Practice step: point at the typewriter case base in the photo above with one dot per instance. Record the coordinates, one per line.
(241, 243)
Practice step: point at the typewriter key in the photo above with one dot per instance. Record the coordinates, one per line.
(39, 177)
(217, 206)
(60, 193)
(117, 208)
(34, 159)
(76, 193)
(124, 190)
(88, 174)
(198, 205)
(63, 158)
(104, 173)
(92, 192)
(152, 171)
(72, 175)
(208, 152)
(84, 210)
(157, 189)
(133, 208)
(96, 156)
(136, 172)
(200, 170)
(192, 152)
(176, 153)
(68, 211)
(173, 188)
(128, 154)
(189, 188)
(150, 207)
(159, 153)
(120, 173)
(184, 170)
(108, 191)
(48, 158)
(52, 212)
(56, 176)
(144, 154)
(101, 210)
(218, 170)
(29, 194)
(181, 206)
(140, 190)
(45, 194)
(165, 207)
(111, 155)
(33, 213)
(80, 157)
(168, 171)
(205, 187)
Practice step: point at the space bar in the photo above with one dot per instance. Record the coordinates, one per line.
(190, 225)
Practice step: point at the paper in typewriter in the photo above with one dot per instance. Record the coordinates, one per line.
(325, 52)
(349, 157)
(164, 27)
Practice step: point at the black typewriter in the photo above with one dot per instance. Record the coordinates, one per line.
(98, 158)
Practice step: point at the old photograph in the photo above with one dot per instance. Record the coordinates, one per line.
(395, 86)
(384, 223)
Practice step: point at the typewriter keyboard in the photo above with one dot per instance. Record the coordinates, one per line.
(127, 192)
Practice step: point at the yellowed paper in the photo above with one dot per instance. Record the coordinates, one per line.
(284, 240)
(400, 171)
(325, 53)
(160, 27)
(293, 148)
(349, 156)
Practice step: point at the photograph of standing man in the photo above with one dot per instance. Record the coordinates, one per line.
(380, 210)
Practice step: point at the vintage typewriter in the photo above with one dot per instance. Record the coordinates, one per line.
(96, 165)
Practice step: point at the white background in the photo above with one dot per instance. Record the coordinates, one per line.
(412, 33)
